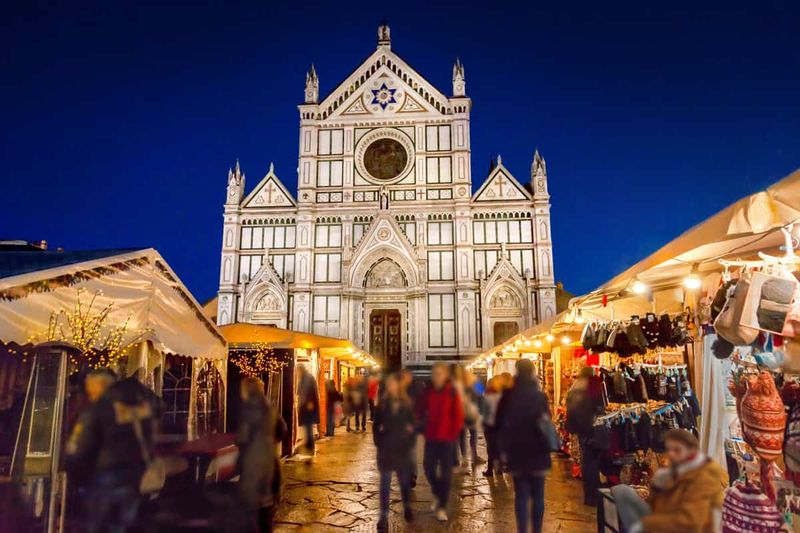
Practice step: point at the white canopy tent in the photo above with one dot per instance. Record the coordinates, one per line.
(49, 301)
(752, 224)
(139, 285)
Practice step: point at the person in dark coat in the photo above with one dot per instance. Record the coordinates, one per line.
(260, 430)
(582, 408)
(332, 397)
(524, 444)
(394, 432)
(308, 406)
(110, 446)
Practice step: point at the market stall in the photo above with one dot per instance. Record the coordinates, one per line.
(274, 354)
(732, 282)
(712, 312)
(63, 313)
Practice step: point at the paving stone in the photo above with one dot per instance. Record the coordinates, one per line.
(339, 492)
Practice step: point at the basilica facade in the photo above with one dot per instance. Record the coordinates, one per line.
(385, 243)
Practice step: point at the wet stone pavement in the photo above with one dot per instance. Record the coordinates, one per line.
(339, 492)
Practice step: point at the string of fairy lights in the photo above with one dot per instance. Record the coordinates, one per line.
(259, 360)
(87, 328)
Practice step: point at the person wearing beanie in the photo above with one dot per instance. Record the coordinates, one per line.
(524, 445)
(685, 496)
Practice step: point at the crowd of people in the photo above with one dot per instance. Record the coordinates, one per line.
(447, 413)
(110, 453)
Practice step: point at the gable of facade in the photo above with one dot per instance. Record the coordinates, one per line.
(269, 192)
(500, 186)
(384, 242)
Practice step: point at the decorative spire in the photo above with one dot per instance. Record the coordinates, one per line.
(312, 86)
(538, 167)
(235, 184)
(459, 80)
(384, 35)
(271, 167)
(539, 175)
(499, 159)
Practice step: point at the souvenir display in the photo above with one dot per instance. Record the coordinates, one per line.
(746, 510)
(642, 403)
(768, 302)
(635, 336)
(728, 324)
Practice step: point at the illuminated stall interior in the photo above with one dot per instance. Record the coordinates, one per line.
(274, 354)
(64, 313)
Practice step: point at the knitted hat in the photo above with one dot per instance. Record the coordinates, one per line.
(746, 510)
(763, 417)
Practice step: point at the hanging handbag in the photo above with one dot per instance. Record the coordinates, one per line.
(728, 323)
(550, 433)
(791, 328)
(601, 337)
(718, 303)
(588, 336)
(155, 473)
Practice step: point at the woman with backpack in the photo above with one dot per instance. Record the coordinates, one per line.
(520, 416)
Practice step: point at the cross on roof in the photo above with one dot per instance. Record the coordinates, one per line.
(271, 189)
(500, 183)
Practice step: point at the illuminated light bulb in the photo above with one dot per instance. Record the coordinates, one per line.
(518, 342)
(579, 317)
(639, 287)
(537, 343)
(565, 340)
(528, 342)
(692, 281)
(550, 337)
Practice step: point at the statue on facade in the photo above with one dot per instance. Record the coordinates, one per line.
(384, 199)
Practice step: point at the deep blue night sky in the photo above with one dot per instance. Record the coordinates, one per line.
(119, 123)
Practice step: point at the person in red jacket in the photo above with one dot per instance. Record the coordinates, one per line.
(443, 419)
(372, 394)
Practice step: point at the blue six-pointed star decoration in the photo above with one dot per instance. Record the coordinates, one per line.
(383, 96)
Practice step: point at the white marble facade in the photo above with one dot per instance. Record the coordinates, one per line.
(385, 223)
